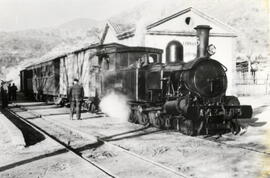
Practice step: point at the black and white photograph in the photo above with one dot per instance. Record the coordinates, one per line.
(135, 88)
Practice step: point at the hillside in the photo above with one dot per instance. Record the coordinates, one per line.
(30, 44)
(81, 24)
(249, 18)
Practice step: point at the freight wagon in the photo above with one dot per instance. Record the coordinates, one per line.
(99, 68)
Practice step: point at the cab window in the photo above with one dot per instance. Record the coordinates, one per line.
(105, 63)
(153, 58)
(123, 60)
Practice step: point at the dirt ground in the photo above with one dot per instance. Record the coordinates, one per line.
(193, 156)
(43, 158)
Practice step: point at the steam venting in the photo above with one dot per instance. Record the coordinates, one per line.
(116, 106)
(202, 40)
(140, 32)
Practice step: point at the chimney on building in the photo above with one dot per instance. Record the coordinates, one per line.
(202, 40)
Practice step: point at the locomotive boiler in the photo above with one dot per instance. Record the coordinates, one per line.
(190, 97)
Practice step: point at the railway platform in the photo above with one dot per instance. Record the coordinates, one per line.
(39, 155)
(14, 133)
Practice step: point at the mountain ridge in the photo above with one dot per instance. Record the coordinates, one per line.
(250, 21)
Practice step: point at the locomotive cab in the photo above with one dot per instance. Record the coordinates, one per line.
(129, 69)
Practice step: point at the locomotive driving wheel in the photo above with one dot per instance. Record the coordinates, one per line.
(159, 122)
(92, 108)
(140, 117)
(187, 127)
(235, 127)
(167, 122)
(151, 116)
(131, 117)
(199, 128)
(175, 124)
(143, 119)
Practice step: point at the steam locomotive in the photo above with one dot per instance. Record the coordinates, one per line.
(192, 96)
(188, 97)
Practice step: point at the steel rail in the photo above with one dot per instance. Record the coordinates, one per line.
(104, 170)
(95, 138)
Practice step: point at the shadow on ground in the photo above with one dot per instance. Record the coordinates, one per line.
(259, 109)
(31, 136)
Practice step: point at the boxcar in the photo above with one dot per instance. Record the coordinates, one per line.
(41, 80)
(99, 68)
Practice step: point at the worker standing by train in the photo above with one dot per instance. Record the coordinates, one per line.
(13, 92)
(4, 94)
(76, 95)
(9, 92)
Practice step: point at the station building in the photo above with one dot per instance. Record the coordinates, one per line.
(176, 33)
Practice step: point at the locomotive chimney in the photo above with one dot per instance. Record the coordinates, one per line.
(202, 40)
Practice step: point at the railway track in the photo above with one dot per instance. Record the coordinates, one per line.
(216, 139)
(66, 146)
(129, 161)
(211, 138)
(105, 140)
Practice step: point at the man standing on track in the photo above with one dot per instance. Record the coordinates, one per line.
(76, 95)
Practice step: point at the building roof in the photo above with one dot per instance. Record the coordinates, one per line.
(127, 28)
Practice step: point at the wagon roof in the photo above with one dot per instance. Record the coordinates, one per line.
(122, 49)
(108, 48)
(48, 58)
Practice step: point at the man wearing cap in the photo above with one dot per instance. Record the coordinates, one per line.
(76, 95)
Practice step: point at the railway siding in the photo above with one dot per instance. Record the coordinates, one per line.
(171, 149)
(112, 158)
(45, 158)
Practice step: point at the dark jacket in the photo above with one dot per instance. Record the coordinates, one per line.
(13, 89)
(76, 93)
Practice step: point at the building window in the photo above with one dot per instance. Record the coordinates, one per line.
(174, 52)
(188, 20)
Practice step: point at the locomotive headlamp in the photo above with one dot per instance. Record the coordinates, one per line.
(211, 49)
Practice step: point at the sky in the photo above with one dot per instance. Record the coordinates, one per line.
(32, 14)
